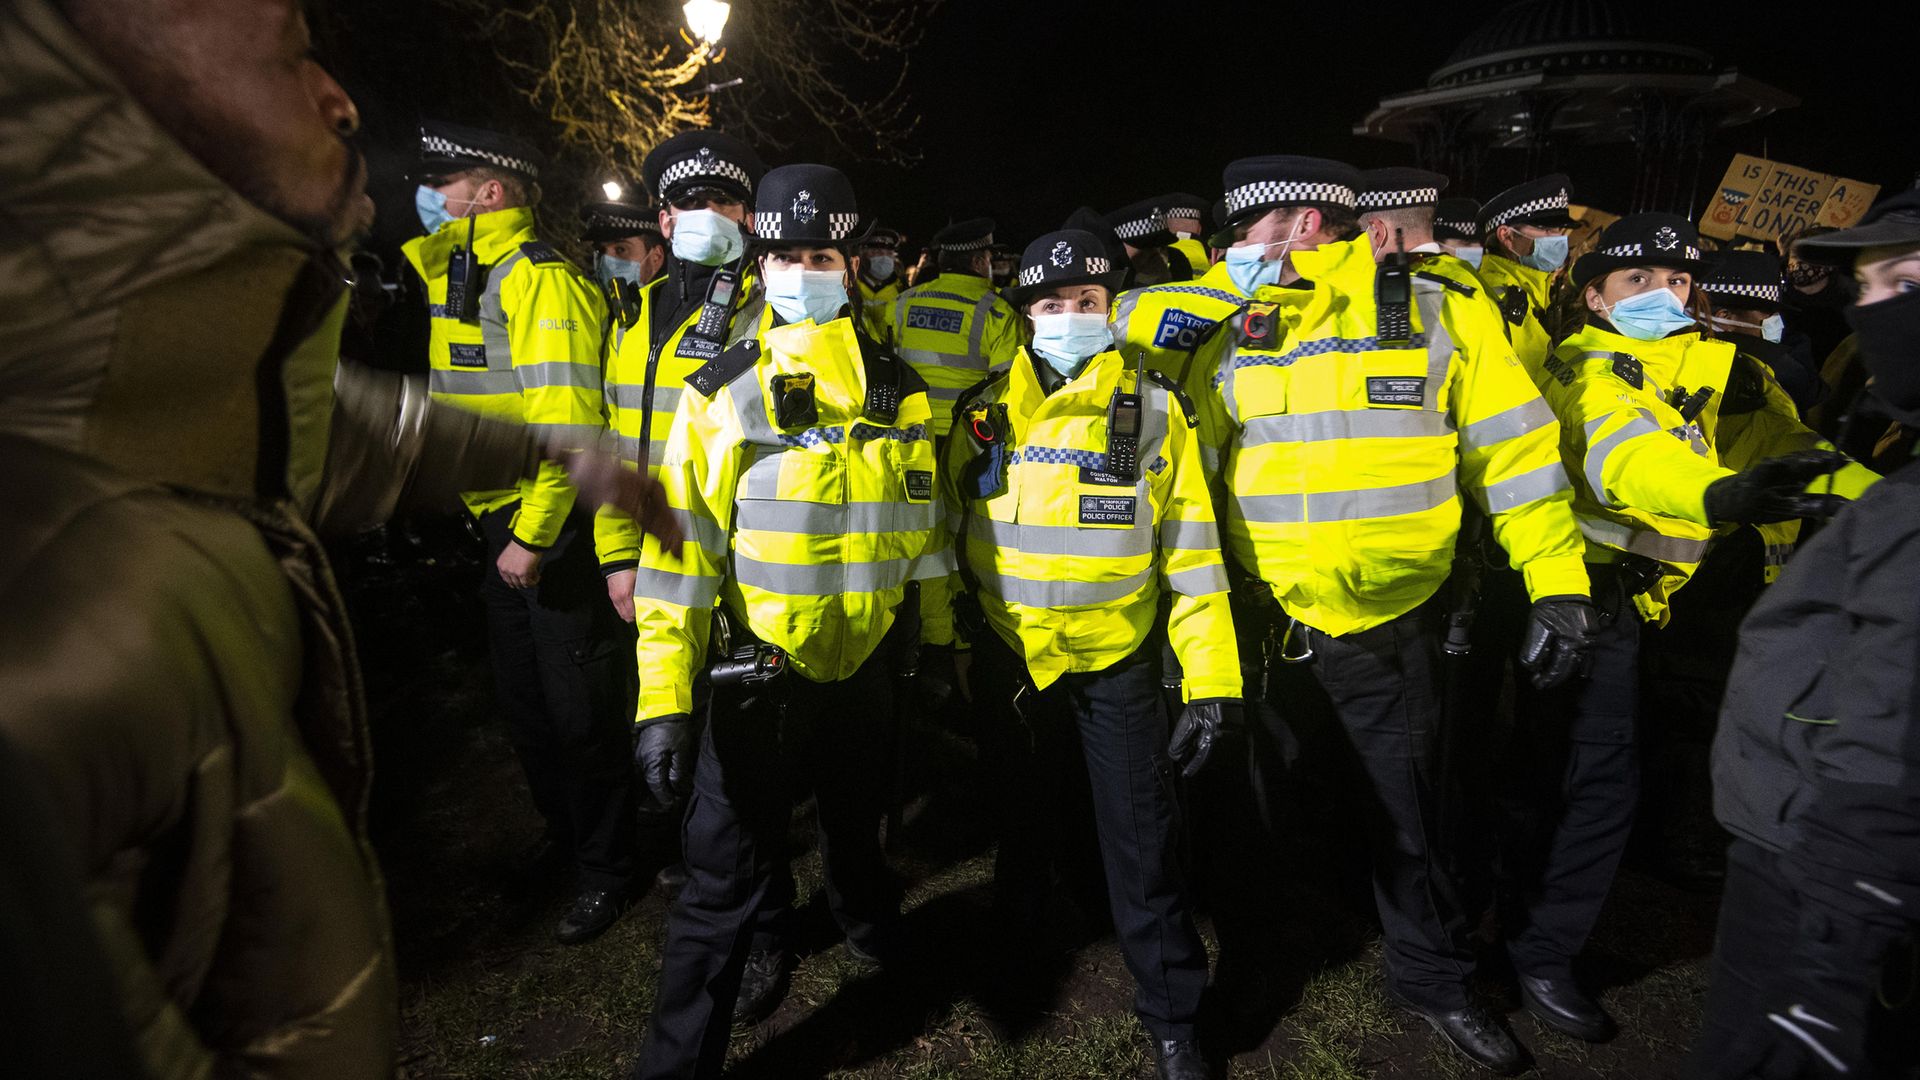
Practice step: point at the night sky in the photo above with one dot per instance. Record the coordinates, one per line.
(1032, 108)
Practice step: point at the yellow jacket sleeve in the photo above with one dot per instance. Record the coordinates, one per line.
(675, 591)
(554, 321)
(1627, 457)
(1199, 623)
(1776, 429)
(1510, 454)
(616, 539)
(1004, 336)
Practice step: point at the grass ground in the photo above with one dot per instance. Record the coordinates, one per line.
(486, 993)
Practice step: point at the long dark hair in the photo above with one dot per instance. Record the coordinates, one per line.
(1567, 313)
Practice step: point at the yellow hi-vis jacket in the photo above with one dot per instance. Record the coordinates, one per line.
(1759, 420)
(876, 308)
(533, 356)
(638, 373)
(952, 329)
(1164, 324)
(1071, 560)
(808, 534)
(1195, 253)
(1522, 294)
(1343, 457)
(1640, 469)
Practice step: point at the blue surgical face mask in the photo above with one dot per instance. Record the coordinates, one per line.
(880, 267)
(1472, 256)
(1549, 253)
(706, 237)
(608, 267)
(1249, 269)
(1772, 328)
(1068, 340)
(799, 295)
(432, 208)
(1649, 316)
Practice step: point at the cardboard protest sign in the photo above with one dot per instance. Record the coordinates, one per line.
(1766, 200)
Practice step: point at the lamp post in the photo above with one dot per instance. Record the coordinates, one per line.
(706, 19)
(613, 190)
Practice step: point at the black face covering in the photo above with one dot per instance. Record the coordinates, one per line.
(1807, 274)
(1889, 334)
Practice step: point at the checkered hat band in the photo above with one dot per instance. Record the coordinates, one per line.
(1138, 227)
(1768, 293)
(1396, 200)
(967, 245)
(440, 146)
(1185, 212)
(1555, 201)
(1287, 192)
(1037, 274)
(693, 168)
(770, 226)
(1637, 251)
(1457, 226)
(614, 221)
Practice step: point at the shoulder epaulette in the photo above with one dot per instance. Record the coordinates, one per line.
(728, 366)
(541, 253)
(1165, 382)
(1514, 304)
(966, 396)
(1460, 287)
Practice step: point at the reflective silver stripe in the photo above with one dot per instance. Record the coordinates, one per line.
(1062, 539)
(1428, 296)
(1052, 594)
(1199, 581)
(667, 587)
(1529, 416)
(1123, 314)
(1344, 424)
(473, 382)
(666, 399)
(629, 447)
(930, 358)
(558, 373)
(1597, 452)
(1654, 545)
(980, 312)
(568, 436)
(704, 531)
(822, 579)
(1530, 486)
(1382, 502)
(828, 519)
(493, 316)
(1190, 535)
(945, 393)
(933, 564)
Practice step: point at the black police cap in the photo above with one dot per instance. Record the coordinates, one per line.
(1257, 184)
(883, 236)
(974, 234)
(1066, 257)
(1456, 219)
(1086, 220)
(606, 221)
(701, 158)
(1398, 188)
(1142, 224)
(1183, 204)
(1542, 203)
(446, 149)
(1892, 222)
(1650, 239)
(1745, 279)
(806, 205)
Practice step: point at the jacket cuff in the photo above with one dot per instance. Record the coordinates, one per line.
(1213, 688)
(615, 566)
(1561, 575)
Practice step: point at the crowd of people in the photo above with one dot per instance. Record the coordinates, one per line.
(1168, 511)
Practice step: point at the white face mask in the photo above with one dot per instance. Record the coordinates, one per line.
(1772, 328)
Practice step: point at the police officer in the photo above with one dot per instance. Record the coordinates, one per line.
(954, 327)
(1187, 219)
(1815, 756)
(879, 280)
(1162, 325)
(628, 252)
(1079, 490)
(1635, 391)
(1142, 229)
(804, 462)
(1005, 262)
(1344, 479)
(516, 332)
(1524, 230)
(699, 303)
(1456, 230)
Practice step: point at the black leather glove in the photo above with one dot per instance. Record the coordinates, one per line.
(1206, 727)
(1775, 490)
(664, 752)
(1558, 642)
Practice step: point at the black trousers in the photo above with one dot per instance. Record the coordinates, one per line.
(1120, 720)
(1762, 924)
(559, 653)
(1570, 784)
(759, 742)
(1384, 685)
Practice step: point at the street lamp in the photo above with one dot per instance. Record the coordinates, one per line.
(706, 18)
(613, 190)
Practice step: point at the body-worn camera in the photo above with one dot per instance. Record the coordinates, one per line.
(749, 665)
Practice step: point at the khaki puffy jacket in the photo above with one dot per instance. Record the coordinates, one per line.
(177, 670)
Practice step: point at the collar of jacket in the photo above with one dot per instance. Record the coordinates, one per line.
(831, 352)
(964, 284)
(1027, 392)
(683, 282)
(1500, 269)
(1676, 360)
(496, 235)
(150, 317)
(1332, 275)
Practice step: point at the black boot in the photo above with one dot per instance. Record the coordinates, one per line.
(1180, 1059)
(1474, 1032)
(592, 912)
(670, 880)
(763, 985)
(1559, 1004)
